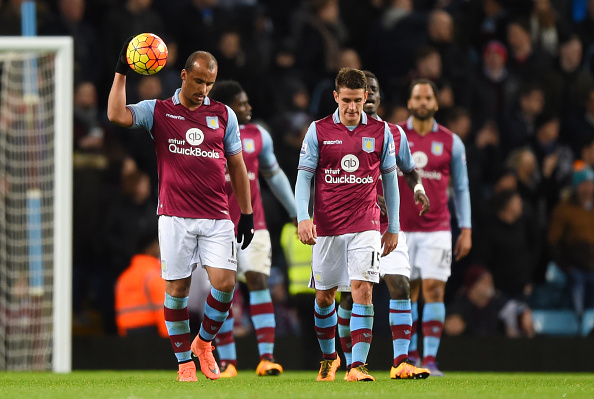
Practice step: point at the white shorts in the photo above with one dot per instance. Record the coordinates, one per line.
(397, 261)
(256, 257)
(336, 260)
(186, 243)
(430, 255)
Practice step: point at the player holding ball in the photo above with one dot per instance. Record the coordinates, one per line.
(194, 138)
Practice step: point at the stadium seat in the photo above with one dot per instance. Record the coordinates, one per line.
(555, 322)
(587, 322)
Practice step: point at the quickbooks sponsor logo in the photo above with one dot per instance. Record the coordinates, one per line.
(347, 179)
(193, 151)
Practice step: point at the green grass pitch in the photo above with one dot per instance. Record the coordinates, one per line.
(292, 384)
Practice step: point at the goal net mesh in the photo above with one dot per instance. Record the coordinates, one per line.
(27, 111)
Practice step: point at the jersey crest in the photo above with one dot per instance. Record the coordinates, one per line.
(212, 122)
(436, 148)
(249, 146)
(368, 144)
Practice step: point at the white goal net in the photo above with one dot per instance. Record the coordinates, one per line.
(35, 203)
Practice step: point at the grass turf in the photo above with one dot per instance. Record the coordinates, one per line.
(292, 384)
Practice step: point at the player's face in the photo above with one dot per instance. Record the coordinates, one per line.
(242, 108)
(373, 97)
(422, 103)
(350, 105)
(197, 82)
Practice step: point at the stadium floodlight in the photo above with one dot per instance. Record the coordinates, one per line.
(36, 101)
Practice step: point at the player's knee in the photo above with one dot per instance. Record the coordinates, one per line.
(398, 286)
(324, 298)
(256, 281)
(346, 300)
(434, 292)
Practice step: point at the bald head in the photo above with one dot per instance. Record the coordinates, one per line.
(202, 59)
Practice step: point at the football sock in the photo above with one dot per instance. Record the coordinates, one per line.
(413, 352)
(177, 320)
(344, 332)
(216, 311)
(262, 312)
(325, 327)
(433, 318)
(400, 324)
(225, 342)
(361, 326)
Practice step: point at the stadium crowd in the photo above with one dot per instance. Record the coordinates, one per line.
(515, 83)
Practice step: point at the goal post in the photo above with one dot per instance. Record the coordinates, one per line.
(36, 111)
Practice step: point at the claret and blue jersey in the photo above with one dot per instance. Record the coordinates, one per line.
(347, 165)
(191, 148)
(439, 156)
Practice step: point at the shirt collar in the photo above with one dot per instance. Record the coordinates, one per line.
(336, 117)
(177, 102)
(409, 125)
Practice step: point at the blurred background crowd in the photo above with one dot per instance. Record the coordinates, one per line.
(515, 81)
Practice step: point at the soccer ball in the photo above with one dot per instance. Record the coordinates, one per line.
(147, 54)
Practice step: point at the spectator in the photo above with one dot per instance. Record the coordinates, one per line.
(70, 22)
(482, 311)
(456, 62)
(567, 83)
(547, 28)
(509, 225)
(579, 125)
(128, 218)
(496, 88)
(517, 126)
(140, 292)
(319, 41)
(571, 238)
(527, 61)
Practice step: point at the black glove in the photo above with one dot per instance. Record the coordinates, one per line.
(122, 65)
(245, 229)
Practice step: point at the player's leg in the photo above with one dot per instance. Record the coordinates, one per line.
(216, 248)
(413, 349)
(177, 246)
(415, 290)
(328, 273)
(395, 269)
(433, 319)
(344, 327)
(325, 327)
(363, 261)
(225, 343)
(436, 260)
(254, 263)
(262, 314)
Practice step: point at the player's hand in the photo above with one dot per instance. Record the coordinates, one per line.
(245, 229)
(389, 242)
(307, 232)
(122, 65)
(381, 201)
(463, 244)
(421, 198)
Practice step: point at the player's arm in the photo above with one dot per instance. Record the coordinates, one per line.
(308, 163)
(116, 103)
(391, 193)
(405, 162)
(275, 177)
(240, 182)
(461, 198)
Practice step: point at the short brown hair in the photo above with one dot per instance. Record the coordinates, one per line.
(422, 82)
(350, 78)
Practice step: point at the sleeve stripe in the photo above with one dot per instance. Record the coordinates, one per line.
(133, 115)
(390, 170)
(306, 168)
(233, 152)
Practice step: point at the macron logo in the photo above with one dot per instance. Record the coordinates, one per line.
(330, 142)
(181, 118)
